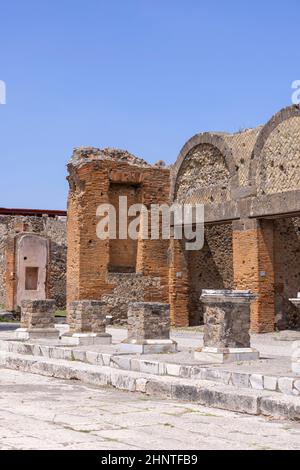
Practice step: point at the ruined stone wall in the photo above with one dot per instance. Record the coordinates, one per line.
(128, 287)
(279, 164)
(204, 168)
(250, 179)
(287, 271)
(210, 268)
(55, 230)
(100, 176)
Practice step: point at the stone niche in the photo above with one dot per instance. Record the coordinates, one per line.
(27, 269)
(226, 327)
(148, 328)
(37, 320)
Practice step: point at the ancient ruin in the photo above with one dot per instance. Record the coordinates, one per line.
(122, 270)
(87, 322)
(148, 325)
(249, 185)
(32, 257)
(37, 320)
(226, 327)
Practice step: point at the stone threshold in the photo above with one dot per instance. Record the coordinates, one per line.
(202, 392)
(243, 380)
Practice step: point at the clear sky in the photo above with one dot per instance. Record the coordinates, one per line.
(142, 75)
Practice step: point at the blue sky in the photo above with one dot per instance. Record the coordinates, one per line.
(143, 75)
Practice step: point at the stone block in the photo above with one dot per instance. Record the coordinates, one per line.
(87, 316)
(297, 385)
(173, 369)
(216, 375)
(148, 329)
(210, 355)
(270, 383)
(86, 339)
(148, 320)
(285, 385)
(120, 362)
(226, 318)
(226, 327)
(240, 379)
(37, 320)
(257, 381)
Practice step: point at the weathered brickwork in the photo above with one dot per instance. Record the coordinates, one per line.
(98, 177)
(148, 321)
(87, 316)
(38, 314)
(287, 271)
(250, 180)
(253, 263)
(53, 228)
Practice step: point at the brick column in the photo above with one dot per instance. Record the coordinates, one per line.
(253, 265)
(178, 285)
(87, 320)
(10, 277)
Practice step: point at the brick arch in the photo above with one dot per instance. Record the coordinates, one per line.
(215, 140)
(257, 155)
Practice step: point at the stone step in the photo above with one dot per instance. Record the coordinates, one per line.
(203, 392)
(243, 380)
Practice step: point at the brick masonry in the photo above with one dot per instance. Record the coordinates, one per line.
(96, 177)
(242, 178)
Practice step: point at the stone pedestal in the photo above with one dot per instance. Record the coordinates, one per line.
(148, 329)
(37, 320)
(226, 327)
(87, 321)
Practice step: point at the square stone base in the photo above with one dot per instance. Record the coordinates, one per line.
(86, 339)
(36, 333)
(148, 346)
(221, 356)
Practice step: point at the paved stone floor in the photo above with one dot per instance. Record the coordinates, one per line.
(45, 413)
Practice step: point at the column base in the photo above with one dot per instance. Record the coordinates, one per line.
(86, 339)
(36, 333)
(221, 356)
(148, 346)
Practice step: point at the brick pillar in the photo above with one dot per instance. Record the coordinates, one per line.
(253, 265)
(10, 277)
(178, 285)
(87, 316)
